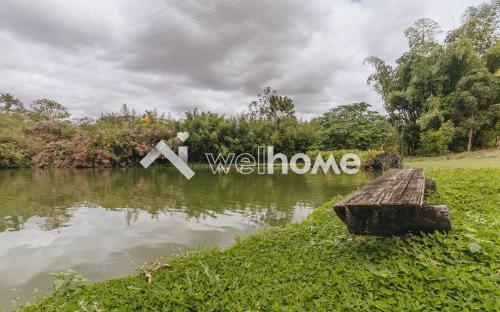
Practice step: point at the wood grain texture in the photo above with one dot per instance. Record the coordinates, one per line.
(396, 187)
(392, 204)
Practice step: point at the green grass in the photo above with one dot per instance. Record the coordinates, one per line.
(489, 158)
(316, 265)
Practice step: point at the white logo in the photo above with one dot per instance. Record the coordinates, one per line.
(246, 163)
(179, 161)
(183, 136)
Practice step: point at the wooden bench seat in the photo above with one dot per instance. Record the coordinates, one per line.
(393, 204)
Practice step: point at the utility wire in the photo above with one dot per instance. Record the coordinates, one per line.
(166, 31)
(112, 33)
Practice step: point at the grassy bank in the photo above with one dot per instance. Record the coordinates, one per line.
(317, 265)
(487, 158)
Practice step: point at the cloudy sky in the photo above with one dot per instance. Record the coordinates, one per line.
(175, 55)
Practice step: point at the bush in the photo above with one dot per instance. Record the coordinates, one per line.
(53, 154)
(437, 142)
(354, 126)
(386, 160)
(489, 137)
(11, 156)
(370, 159)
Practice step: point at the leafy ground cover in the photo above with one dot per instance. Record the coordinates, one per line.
(487, 158)
(317, 265)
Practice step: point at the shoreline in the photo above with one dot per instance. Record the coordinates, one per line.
(319, 265)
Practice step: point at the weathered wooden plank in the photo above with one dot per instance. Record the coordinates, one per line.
(414, 192)
(404, 186)
(393, 205)
(395, 190)
(372, 192)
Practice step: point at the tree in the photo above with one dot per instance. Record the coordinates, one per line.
(492, 58)
(472, 100)
(436, 142)
(458, 60)
(354, 126)
(49, 110)
(422, 36)
(430, 88)
(382, 77)
(406, 87)
(207, 134)
(10, 104)
(272, 106)
(480, 25)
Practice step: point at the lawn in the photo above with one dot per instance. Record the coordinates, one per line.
(316, 265)
(488, 158)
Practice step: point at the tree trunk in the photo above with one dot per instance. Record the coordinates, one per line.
(471, 132)
(469, 143)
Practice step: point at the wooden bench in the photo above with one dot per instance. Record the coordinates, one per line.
(393, 204)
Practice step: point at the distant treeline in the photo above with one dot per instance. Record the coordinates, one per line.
(440, 97)
(43, 136)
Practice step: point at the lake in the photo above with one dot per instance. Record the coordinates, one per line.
(105, 223)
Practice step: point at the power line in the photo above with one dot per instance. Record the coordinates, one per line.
(111, 34)
(167, 31)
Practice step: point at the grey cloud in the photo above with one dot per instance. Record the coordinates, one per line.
(43, 23)
(312, 51)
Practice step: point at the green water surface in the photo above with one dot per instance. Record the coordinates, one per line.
(105, 223)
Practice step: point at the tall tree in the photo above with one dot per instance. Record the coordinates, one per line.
(422, 36)
(480, 25)
(354, 126)
(443, 89)
(272, 106)
(472, 100)
(458, 60)
(406, 88)
(492, 58)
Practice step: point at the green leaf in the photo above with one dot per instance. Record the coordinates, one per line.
(58, 283)
(382, 273)
(474, 247)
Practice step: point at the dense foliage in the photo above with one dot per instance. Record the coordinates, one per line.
(317, 266)
(354, 126)
(445, 96)
(43, 136)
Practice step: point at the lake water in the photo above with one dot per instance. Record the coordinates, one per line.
(105, 223)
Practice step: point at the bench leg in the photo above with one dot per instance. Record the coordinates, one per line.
(433, 218)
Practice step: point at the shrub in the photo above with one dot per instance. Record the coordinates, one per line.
(68, 282)
(437, 142)
(386, 160)
(51, 131)
(53, 154)
(11, 156)
(370, 159)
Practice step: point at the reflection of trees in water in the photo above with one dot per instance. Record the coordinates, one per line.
(50, 219)
(265, 199)
(272, 215)
(27, 193)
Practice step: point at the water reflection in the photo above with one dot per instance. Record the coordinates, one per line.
(49, 193)
(101, 222)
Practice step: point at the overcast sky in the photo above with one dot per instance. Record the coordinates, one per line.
(174, 55)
